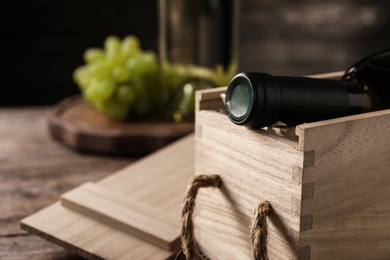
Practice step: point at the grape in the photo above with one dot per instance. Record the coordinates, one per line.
(81, 77)
(133, 65)
(116, 109)
(120, 74)
(112, 50)
(122, 80)
(130, 46)
(149, 61)
(100, 90)
(99, 70)
(90, 91)
(141, 101)
(93, 54)
(184, 103)
(126, 93)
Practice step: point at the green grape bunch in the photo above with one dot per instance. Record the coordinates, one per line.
(121, 80)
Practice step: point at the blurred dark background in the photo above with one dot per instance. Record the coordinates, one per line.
(43, 41)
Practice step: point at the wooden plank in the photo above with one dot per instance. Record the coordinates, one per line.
(87, 237)
(158, 180)
(35, 169)
(350, 175)
(254, 166)
(30, 181)
(125, 214)
(22, 247)
(211, 94)
(209, 99)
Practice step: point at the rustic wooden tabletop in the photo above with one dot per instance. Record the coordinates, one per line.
(34, 171)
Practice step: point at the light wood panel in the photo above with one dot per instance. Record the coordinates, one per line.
(87, 237)
(350, 210)
(147, 190)
(125, 214)
(254, 166)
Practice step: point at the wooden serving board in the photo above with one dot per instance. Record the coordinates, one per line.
(80, 126)
(131, 214)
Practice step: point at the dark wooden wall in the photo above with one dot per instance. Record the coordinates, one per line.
(43, 41)
(311, 36)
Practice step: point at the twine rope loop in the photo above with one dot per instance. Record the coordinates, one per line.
(189, 246)
(258, 231)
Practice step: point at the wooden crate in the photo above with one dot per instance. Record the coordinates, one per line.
(329, 189)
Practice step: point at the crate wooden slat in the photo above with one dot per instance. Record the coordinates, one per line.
(88, 237)
(153, 185)
(125, 214)
(329, 190)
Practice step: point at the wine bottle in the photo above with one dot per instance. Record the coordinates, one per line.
(201, 36)
(257, 99)
(202, 33)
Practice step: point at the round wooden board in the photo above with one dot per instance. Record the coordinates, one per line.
(78, 125)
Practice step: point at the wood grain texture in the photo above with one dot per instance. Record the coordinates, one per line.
(351, 185)
(87, 237)
(80, 126)
(329, 189)
(34, 171)
(158, 181)
(32, 247)
(252, 171)
(125, 214)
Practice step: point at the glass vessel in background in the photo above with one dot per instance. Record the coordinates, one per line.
(201, 36)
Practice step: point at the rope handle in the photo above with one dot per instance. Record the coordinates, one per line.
(258, 230)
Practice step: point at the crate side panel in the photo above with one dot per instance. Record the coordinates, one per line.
(254, 166)
(351, 187)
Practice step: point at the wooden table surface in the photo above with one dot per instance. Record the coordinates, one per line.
(34, 171)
